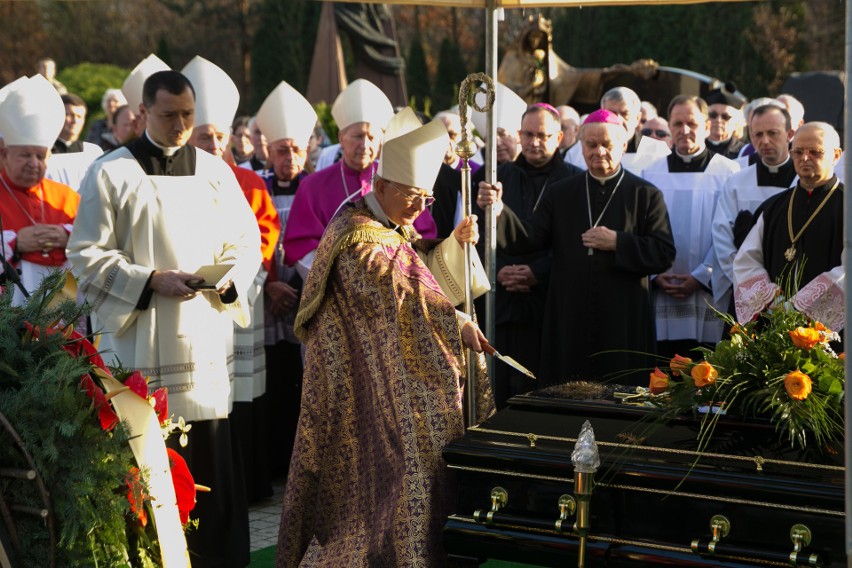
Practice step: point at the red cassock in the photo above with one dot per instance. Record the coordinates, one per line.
(260, 202)
(48, 203)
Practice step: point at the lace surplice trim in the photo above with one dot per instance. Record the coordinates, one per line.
(822, 300)
(753, 295)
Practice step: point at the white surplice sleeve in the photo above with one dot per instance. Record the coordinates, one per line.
(753, 290)
(111, 283)
(823, 299)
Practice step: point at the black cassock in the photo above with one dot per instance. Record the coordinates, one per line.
(599, 302)
(819, 248)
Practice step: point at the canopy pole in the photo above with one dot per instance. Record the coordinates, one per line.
(492, 17)
(847, 259)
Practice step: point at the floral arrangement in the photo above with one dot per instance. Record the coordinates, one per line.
(780, 366)
(52, 394)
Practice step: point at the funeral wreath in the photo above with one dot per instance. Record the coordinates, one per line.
(61, 425)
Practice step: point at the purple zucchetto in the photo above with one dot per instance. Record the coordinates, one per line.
(603, 116)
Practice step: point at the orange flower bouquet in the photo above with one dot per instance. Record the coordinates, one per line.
(781, 367)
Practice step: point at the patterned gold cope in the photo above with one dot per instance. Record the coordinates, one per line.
(383, 383)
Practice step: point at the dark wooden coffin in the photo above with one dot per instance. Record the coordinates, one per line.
(655, 498)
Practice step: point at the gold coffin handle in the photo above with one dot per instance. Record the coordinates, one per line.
(567, 506)
(499, 499)
(801, 536)
(720, 526)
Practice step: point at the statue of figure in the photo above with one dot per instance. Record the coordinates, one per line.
(372, 35)
(532, 69)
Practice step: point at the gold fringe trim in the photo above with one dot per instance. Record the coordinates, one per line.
(361, 234)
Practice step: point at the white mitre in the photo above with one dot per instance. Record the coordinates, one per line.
(216, 95)
(402, 122)
(361, 101)
(32, 113)
(7, 88)
(132, 87)
(286, 114)
(414, 158)
(507, 110)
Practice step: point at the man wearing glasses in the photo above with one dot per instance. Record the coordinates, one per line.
(384, 369)
(658, 129)
(608, 231)
(726, 122)
(799, 232)
(522, 279)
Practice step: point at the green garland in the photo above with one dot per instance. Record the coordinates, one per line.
(83, 467)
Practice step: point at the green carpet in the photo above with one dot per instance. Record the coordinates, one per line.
(265, 558)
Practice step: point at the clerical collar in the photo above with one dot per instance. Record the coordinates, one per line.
(690, 157)
(167, 150)
(775, 169)
(153, 160)
(719, 142)
(603, 180)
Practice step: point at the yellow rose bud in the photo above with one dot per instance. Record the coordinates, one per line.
(704, 374)
(659, 382)
(805, 337)
(798, 385)
(678, 364)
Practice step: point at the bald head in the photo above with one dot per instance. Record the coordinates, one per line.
(815, 151)
(570, 120)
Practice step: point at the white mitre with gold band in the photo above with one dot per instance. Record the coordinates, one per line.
(132, 87)
(413, 158)
(32, 113)
(361, 101)
(507, 110)
(286, 114)
(216, 95)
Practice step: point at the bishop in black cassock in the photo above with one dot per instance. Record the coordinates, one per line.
(608, 230)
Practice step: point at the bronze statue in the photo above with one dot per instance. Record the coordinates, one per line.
(532, 69)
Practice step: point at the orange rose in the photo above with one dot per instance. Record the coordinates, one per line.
(805, 337)
(737, 328)
(819, 327)
(798, 385)
(678, 364)
(659, 382)
(842, 356)
(704, 374)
